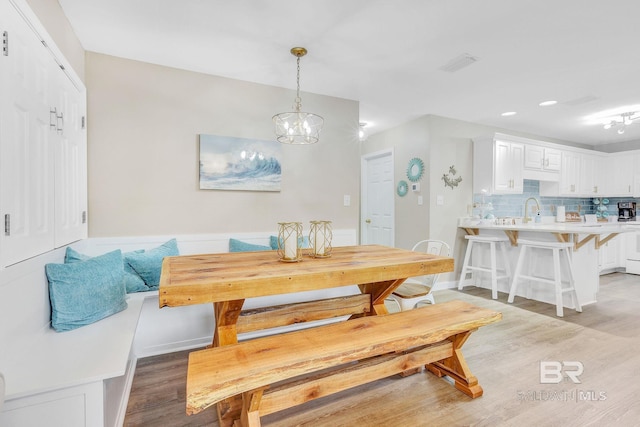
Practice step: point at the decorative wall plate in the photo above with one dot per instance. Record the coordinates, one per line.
(403, 187)
(415, 169)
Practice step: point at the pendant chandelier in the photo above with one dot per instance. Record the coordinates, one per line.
(298, 127)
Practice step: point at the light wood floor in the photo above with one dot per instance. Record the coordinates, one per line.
(504, 356)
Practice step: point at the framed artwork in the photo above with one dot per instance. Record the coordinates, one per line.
(228, 163)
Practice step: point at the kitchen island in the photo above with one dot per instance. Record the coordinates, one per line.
(587, 239)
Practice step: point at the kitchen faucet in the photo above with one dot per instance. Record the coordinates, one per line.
(526, 219)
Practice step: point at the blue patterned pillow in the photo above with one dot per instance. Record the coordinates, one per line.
(148, 265)
(240, 246)
(132, 282)
(84, 292)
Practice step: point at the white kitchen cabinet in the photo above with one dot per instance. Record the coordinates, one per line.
(42, 146)
(541, 158)
(611, 255)
(591, 181)
(636, 173)
(621, 175)
(498, 166)
(570, 174)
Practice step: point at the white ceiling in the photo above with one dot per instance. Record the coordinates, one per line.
(386, 54)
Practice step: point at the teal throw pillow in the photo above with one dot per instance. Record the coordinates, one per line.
(236, 245)
(132, 282)
(148, 265)
(84, 292)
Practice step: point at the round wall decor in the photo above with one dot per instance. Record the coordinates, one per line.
(415, 169)
(402, 188)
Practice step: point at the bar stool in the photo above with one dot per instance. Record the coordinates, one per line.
(556, 248)
(493, 270)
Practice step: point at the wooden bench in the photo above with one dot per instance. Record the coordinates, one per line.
(280, 371)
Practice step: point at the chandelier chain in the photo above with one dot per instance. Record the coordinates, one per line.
(298, 100)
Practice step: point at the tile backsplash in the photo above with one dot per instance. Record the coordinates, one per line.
(512, 205)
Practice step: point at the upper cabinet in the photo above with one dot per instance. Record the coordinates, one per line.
(43, 178)
(541, 158)
(502, 162)
(570, 174)
(498, 166)
(592, 176)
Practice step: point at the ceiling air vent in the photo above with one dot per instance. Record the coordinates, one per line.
(582, 100)
(459, 62)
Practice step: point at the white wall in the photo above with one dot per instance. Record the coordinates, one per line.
(408, 141)
(144, 122)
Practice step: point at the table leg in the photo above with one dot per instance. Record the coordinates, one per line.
(457, 369)
(379, 291)
(226, 315)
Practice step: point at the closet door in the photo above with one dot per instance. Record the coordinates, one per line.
(70, 164)
(26, 152)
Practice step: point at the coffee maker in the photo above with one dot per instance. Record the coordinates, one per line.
(626, 211)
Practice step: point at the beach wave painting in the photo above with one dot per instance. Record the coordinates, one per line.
(228, 163)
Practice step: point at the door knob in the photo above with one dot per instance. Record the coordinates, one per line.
(368, 221)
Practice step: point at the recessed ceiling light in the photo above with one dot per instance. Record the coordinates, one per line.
(509, 113)
(547, 103)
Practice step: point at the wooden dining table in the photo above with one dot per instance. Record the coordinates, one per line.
(227, 279)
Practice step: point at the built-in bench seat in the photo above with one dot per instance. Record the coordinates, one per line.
(348, 354)
(93, 364)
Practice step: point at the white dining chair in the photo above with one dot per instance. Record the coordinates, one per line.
(418, 290)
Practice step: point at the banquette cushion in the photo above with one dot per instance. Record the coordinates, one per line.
(236, 245)
(148, 264)
(84, 292)
(132, 282)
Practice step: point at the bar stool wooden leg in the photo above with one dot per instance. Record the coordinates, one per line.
(494, 272)
(516, 275)
(574, 295)
(558, 282)
(465, 264)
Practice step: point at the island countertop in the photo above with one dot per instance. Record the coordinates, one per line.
(579, 232)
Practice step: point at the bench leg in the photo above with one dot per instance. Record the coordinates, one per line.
(456, 367)
(226, 316)
(250, 416)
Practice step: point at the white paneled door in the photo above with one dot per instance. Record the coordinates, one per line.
(377, 195)
(26, 152)
(43, 172)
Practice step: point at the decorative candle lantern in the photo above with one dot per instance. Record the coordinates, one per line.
(320, 239)
(289, 237)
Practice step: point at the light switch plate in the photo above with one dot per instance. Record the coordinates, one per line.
(347, 200)
(439, 200)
